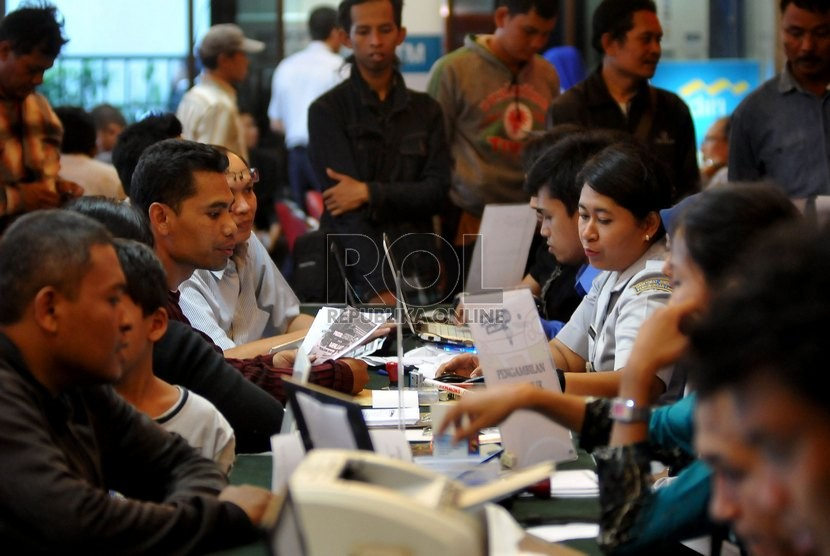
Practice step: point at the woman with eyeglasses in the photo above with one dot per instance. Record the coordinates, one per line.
(243, 307)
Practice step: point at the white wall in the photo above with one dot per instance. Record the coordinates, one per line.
(422, 17)
(685, 28)
(762, 34)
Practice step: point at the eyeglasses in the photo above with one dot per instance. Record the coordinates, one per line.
(252, 173)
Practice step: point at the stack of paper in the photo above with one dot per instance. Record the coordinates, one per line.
(384, 411)
(580, 483)
(570, 531)
(388, 417)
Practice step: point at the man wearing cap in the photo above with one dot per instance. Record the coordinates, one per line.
(208, 111)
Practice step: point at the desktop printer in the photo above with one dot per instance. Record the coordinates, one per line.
(361, 503)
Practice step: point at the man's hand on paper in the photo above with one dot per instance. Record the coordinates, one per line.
(486, 409)
(384, 330)
(465, 364)
(285, 359)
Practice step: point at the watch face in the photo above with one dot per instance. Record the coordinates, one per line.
(618, 410)
(626, 412)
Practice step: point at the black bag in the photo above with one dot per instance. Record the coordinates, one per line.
(318, 275)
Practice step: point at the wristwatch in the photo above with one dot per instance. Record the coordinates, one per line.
(626, 411)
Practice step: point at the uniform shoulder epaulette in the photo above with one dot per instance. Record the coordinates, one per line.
(653, 284)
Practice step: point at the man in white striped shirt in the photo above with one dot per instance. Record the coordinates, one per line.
(247, 307)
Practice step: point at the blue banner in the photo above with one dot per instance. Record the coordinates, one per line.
(711, 88)
(419, 52)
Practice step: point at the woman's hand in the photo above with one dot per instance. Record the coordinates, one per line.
(464, 365)
(483, 409)
(661, 341)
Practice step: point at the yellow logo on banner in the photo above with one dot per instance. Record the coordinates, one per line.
(720, 85)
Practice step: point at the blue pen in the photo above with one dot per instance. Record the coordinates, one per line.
(492, 456)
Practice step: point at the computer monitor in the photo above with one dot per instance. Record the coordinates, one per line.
(327, 419)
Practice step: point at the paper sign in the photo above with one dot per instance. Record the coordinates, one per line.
(512, 348)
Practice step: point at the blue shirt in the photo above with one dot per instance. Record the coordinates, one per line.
(635, 517)
(584, 278)
(780, 132)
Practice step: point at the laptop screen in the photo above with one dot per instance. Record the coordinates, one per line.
(327, 419)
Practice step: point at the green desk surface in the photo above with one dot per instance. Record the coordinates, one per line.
(255, 469)
(528, 510)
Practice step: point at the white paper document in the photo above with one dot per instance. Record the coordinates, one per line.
(579, 483)
(567, 532)
(503, 533)
(500, 253)
(512, 348)
(388, 417)
(390, 398)
(338, 332)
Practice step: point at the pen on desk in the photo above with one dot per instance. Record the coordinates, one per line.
(455, 389)
(492, 456)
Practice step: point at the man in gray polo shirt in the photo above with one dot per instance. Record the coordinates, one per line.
(781, 131)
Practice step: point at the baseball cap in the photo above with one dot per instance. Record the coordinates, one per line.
(671, 216)
(226, 38)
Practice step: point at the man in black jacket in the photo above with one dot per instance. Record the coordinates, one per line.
(627, 34)
(380, 153)
(83, 471)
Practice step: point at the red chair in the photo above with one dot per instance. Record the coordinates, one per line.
(314, 204)
(292, 222)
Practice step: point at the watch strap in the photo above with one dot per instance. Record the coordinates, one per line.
(627, 411)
